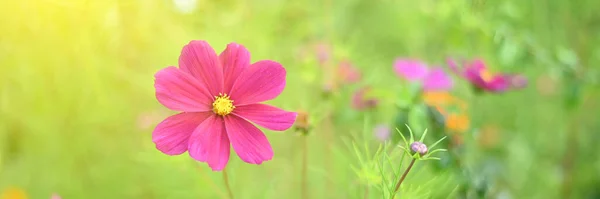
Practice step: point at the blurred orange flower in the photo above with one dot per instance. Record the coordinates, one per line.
(436, 98)
(443, 99)
(457, 122)
(453, 109)
(13, 193)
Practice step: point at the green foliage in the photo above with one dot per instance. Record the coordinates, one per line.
(77, 104)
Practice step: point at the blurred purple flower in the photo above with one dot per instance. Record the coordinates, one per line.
(518, 81)
(361, 102)
(477, 73)
(432, 79)
(382, 132)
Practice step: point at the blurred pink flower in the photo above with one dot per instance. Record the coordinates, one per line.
(432, 79)
(218, 97)
(323, 51)
(382, 132)
(477, 73)
(360, 100)
(55, 196)
(348, 74)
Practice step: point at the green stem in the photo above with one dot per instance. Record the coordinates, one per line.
(226, 180)
(305, 167)
(403, 176)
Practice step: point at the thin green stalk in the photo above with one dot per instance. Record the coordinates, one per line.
(305, 167)
(211, 182)
(403, 176)
(226, 180)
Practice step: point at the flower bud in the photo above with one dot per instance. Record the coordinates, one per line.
(418, 147)
(302, 124)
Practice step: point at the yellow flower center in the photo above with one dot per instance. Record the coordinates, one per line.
(486, 75)
(223, 105)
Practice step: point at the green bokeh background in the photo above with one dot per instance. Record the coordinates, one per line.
(77, 104)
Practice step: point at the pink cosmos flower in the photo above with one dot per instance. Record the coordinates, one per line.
(432, 79)
(477, 73)
(218, 97)
(360, 100)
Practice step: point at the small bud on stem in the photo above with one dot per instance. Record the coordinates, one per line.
(418, 147)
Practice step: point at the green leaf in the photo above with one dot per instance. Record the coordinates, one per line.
(400, 122)
(412, 137)
(358, 154)
(423, 136)
(436, 143)
(403, 139)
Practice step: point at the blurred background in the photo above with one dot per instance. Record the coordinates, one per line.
(77, 105)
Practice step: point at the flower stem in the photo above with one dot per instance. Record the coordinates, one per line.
(366, 192)
(403, 176)
(226, 180)
(305, 167)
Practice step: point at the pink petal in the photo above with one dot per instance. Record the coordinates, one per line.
(172, 134)
(248, 141)
(267, 116)
(473, 72)
(179, 91)
(477, 65)
(200, 60)
(262, 81)
(437, 79)
(412, 70)
(209, 143)
(499, 83)
(234, 59)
